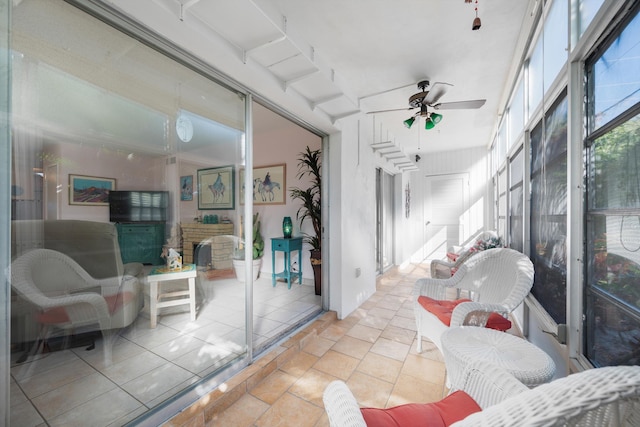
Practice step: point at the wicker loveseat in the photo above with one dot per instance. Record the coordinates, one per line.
(607, 396)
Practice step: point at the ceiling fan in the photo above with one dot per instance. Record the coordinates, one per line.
(429, 98)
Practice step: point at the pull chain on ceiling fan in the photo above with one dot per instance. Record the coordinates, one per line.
(429, 98)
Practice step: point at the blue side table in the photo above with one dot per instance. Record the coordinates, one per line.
(287, 246)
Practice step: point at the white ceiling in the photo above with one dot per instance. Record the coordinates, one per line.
(326, 60)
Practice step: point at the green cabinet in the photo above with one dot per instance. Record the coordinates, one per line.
(141, 242)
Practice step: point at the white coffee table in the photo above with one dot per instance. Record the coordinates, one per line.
(461, 345)
(162, 274)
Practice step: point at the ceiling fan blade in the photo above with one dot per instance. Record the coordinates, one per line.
(460, 105)
(436, 91)
(386, 111)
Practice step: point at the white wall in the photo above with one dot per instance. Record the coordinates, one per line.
(352, 216)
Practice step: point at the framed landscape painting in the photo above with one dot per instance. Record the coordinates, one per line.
(216, 188)
(90, 190)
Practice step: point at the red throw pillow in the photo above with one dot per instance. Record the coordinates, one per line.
(443, 309)
(449, 410)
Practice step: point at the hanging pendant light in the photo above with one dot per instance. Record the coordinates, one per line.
(476, 22)
(409, 122)
(429, 124)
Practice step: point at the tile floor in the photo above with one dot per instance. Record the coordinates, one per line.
(65, 388)
(373, 350)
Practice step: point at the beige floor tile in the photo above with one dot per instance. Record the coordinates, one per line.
(397, 334)
(381, 367)
(319, 346)
(408, 323)
(311, 386)
(243, 413)
(274, 386)
(391, 302)
(369, 391)
(383, 313)
(334, 332)
(410, 389)
(374, 322)
(406, 312)
(337, 364)
(391, 349)
(364, 333)
(299, 364)
(352, 347)
(291, 411)
(425, 369)
(429, 350)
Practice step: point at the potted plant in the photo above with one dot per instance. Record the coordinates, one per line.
(310, 165)
(258, 250)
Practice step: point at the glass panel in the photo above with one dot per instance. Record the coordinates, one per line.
(612, 331)
(614, 80)
(516, 113)
(585, 11)
(534, 76)
(549, 210)
(140, 146)
(502, 203)
(614, 178)
(555, 41)
(516, 203)
(612, 281)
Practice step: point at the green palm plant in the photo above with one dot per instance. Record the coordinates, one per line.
(310, 165)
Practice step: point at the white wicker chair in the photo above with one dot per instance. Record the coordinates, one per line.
(65, 297)
(597, 397)
(497, 280)
(441, 269)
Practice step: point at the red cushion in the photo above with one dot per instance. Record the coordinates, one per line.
(59, 314)
(449, 410)
(443, 309)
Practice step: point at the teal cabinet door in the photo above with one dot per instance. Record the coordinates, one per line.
(141, 242)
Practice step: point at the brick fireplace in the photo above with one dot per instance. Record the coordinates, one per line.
(218, 236)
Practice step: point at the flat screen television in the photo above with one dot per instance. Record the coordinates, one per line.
(138, 206)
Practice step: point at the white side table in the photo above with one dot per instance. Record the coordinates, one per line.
(528, 363)
(161, 274)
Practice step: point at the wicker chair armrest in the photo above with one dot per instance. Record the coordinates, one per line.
(436, 288)
(341, 406)
(475, 313)
(437, 262)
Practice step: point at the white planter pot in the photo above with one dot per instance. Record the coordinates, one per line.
(238, 266)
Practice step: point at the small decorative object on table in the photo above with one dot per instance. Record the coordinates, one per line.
(174, 260)
(287, 227)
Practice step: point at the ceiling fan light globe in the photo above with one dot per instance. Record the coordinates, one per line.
(409, 122)
(428, 124)
(436, 118)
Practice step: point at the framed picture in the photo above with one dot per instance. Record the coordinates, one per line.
(186, 187)
(269, 185)
(90, 190)
(216, 188)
